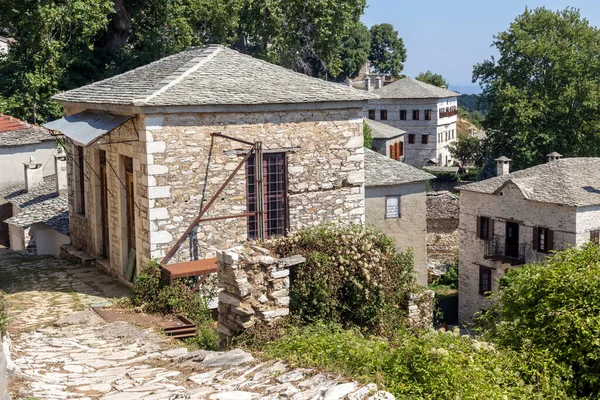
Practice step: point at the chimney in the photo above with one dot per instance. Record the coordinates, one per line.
(378, 82)
(368, 84)
(60, 166)
(502, 166)
(34, 174)
(553, 156)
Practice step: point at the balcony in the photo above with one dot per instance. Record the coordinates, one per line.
(448, 112)
(497, 249)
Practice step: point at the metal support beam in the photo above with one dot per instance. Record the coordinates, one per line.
(219, 134)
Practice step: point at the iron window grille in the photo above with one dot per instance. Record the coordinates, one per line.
(428, 115)
(485, 280)
(275, 195)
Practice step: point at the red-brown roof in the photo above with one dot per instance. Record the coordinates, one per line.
(14, 132)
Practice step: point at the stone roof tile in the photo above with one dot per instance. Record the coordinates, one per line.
(14, 132)
(409, 88)
(380, 130)
(570, 181)
(381, 170)
(211, 75)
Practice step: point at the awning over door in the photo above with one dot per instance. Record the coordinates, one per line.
(86, 127)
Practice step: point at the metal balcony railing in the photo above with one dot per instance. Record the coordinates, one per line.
(496, 249)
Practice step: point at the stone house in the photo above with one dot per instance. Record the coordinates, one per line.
(427, 113)
(443, 212)
(387, 140)
(521, 217)
(151, 146)
(395, 203)
(36, 219)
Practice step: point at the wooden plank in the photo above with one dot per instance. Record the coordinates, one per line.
(130, 269)
(191, 268)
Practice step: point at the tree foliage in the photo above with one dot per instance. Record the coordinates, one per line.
(554, 307)
(466, 148)
(388, 53)
(79, 41)
(544, 90)
(432, 79)
(355, 52)
(367, 135)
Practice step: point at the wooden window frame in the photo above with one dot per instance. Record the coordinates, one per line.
(482, 232)
(416, 114)
(424, 138)
(383, 115)
(403, 115)
(372, 114)
(387, 216)
(427, 115)
(80, 203)
(595, 236)
(485, 280)
(547, 234)
(411, 138)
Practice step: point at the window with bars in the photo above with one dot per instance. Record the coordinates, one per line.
(403, 115)
(383, 115)
(274, 195)
(392, 207)
(415, 115)
(485, 280)
(428, 115)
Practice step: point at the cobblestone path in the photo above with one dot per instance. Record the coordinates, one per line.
(63, 350)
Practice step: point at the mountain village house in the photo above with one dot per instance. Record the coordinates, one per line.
(427, 113)
(152, 147)
(395, 203)
(521, 217)
(387, 140)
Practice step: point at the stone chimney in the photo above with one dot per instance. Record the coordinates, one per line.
(502, 166)
(378, 82)
(34, 174)
(367, 84)
(554, 156)
(60, 166)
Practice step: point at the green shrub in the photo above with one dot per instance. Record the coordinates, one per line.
(470, 175)
(352, 275)
(367, 135)
(554, 307)
(433, 365)
(444, 176)
(3, 315)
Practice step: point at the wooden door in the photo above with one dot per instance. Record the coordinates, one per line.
(512, 240)
(129, 193)
(105, 251)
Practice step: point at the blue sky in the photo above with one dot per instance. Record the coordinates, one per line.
(449, 37)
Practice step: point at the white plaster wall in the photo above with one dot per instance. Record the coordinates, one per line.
(410, 230)
(17, 237)
(510, 206)
(48, 241)
(12, 159)
(588, 219)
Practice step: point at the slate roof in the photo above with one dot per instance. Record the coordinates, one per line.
(41, 204)
(211, 75)
(14, 132)
(379, 130)
(409, 88)
(381, 170)
(570, 181)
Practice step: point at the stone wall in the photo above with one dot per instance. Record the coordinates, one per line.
(4, 395)
(443, 211)
(255, 289)
(325, 165)
(420, 309)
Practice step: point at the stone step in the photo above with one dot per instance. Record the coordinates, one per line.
(70, 253)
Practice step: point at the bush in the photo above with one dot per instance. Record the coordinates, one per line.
(367, 135)
(433, 365)
(470, 175)
(554, 306)
(352, 275)
(3, 315)
(154, 295)
(443, 176)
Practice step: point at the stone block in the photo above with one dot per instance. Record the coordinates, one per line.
(279, 312)
(355, 142)
(280, 274)
(155, 147)
(356, 177)
(160, 237)
(159, 192)
(158, 170)
(279, 293)
(243, 310)
(159, 213)
(230, 299)
(266, 260)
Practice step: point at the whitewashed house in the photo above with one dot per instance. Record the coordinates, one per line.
(521, 217)
(426, 112)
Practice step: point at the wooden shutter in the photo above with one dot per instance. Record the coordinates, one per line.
(398, 151)
(392, 151)
(490, 229)
(549, 240)
(536, 238)
(479, 227)
(401, 149)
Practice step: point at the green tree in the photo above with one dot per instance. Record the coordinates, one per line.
(466, 148)
(554, 307)
(432, 79)
(388, 53)
(367, 134)
(543, 91)
(355, 52)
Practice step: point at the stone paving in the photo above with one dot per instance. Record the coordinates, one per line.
(64, 350)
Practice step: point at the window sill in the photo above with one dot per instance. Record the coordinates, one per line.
(80, 216)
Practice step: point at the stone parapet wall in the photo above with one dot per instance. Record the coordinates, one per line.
(420, 309)
(254, 289)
